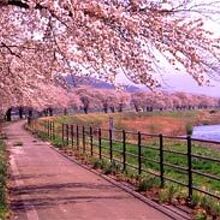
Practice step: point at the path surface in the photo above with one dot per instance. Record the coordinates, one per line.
(47, 186)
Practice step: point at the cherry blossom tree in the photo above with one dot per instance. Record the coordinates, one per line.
(123, 100)
(142, 101)
(176, 102)
(74, 101)
(88, 99)
(137, 100)
(41, 39)
(171, 101)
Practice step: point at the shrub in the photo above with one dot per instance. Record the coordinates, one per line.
(57, 143)
(205, 123)
(167, 194)
(189, 129)
(146, 183)
(212, 111)
(3, 136)
(200, 215)
(42, 135)
(96, 164)
(196, 200)
(18, 144)
(215, 210)
(112, 168)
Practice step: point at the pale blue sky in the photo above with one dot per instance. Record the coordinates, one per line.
(183, 82)
(172, 80)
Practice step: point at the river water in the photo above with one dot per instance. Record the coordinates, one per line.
(207, 132)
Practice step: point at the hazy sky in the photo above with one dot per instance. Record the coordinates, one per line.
(173, 81)
(183, 82)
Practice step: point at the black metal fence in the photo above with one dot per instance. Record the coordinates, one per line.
(180, 160)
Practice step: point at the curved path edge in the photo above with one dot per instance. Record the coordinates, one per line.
(48, 185)
(172, 212)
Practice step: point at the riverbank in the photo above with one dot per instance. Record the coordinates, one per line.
(176, 154)
(169, 123)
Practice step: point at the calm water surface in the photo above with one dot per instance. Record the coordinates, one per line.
(208, 132)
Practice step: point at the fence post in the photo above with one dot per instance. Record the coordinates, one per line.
(139, 153)
(48, 129)
(189, 156)
(91, 141)
(53, 130)
(83, 139)
(124, 149)
(110, 144)
(72, 135)
(77, 137)
(45, 126)
(100, 143)
(63, 133)
(161, 162)
(50, 125)
(67, 135)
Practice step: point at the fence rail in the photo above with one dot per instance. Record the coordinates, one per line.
(171, 159)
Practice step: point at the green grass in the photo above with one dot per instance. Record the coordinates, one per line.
(203, 166)
(150, 151)
(3, 175)
(200, 165)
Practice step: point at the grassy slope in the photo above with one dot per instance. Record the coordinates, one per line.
(169, 123)
(203, 166)
(3, 174)
(155, 123)
(172, 123)
(152, 153)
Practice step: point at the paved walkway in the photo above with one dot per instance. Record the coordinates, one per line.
(47, 186)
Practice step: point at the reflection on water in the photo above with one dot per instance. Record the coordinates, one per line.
(208, 132)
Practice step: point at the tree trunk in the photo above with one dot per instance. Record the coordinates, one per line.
(50, 110)
(45, 113)
(8, 114)
(120, 108)
(30, 113)
(85, 110)
(65, 111)
(136, 108)
(105, 108)
(20, 112)
(112, 109)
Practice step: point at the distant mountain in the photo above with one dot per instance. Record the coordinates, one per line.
(75, 81)
(131, 88)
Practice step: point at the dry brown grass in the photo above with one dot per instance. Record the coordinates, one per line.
(155, 125)
(168, 123)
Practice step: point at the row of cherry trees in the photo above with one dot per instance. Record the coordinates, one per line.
(89, 100)
(42, 40)
(171, 101)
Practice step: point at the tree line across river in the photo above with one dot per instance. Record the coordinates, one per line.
(87, 99)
